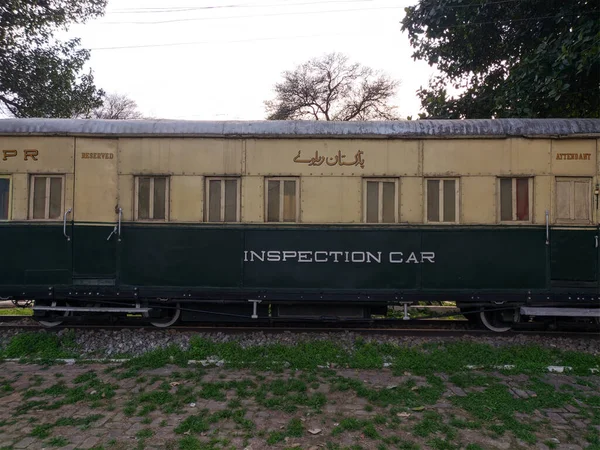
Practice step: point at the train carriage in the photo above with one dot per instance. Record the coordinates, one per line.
(178, 220)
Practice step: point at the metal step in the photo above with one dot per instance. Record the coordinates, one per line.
(85, 309)
(560, 312)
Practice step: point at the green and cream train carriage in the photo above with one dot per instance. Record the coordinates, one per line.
(244, 220)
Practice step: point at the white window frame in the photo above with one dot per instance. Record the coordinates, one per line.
(10, 186)
(514, 200)
(281, 184)
(441, 199)
(380, 182)
(47, 199)
(151, 205)
(572, 180)
(238, 193)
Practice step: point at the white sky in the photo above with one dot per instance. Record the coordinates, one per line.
(219, 59)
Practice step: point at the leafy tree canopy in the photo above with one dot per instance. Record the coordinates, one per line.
(332, 88)
(40, 76)
(508, 58)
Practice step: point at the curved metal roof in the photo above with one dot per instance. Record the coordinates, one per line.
(305, 129)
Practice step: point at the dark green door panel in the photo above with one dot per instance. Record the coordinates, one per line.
(34, 254)
(486, 259)
(93, 255)
(574, 256)
(171, 255)
(357, 265)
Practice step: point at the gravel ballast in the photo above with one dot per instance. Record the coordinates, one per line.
(135, 342)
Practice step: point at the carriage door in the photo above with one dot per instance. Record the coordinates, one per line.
(95, 213)
(574, 246)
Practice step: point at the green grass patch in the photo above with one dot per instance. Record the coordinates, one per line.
(16, 312)
(41, 345)
(450, 358)
(57, 441)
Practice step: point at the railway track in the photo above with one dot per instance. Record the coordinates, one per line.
(392, 327)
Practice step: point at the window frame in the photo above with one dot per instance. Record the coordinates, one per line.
(530, 186)
(296, 180)
(238, 193)
(136, 196)
(10, 187)
(573, 180)
(441, 202)
(380, 181)
(48, 176)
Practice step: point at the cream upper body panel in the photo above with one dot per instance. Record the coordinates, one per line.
(331, 163)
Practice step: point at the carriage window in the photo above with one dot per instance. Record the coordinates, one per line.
(222, 200)
(442, 200)
(46, 199)
(4, 198)
(573, 199)
(380, 201)
(282, 200)
(515, 199)
(152, 198)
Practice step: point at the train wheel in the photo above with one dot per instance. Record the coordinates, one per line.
(498, 321)
(56, 322)
(168, 317)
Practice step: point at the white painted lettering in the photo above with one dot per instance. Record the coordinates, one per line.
(304, 256)
(260, 257)
(320, 260)
(412, 259)
(288, 254)
(273, 256)
(358, 257)
(373, 257)
(394, 257)
(429, 256)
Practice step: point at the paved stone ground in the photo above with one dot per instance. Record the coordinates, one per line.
(102, 406)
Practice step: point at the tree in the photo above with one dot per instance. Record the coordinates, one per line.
(117, 106)
(332, 88)
(40, 76)
(510, 58)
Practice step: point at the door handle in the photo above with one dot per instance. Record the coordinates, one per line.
(65, 224)
(111, 233)
(596, 237)
(547, 227)
(117, 228)
(119, 224)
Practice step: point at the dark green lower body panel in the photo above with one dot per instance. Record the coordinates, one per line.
(321, 263)
(34, 254)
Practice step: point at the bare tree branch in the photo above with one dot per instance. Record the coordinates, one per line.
(331, 88)
(117, 106)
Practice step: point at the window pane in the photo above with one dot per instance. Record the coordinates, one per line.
(582, 200)
(214, 201)
(506, 199)
(230, 200)
(372, 201)
(389, 200)
(55, 198)
(449, 201)
(289, 201)
(39, 198)
(144, 198)
(4, 192)
(563, 199)
(160, 196)
(273, 201)
(433, 200)
(522, 199)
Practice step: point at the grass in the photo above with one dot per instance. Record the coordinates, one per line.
(450, 358)
(16, 312)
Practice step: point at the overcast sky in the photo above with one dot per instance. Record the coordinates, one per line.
(219, 59)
